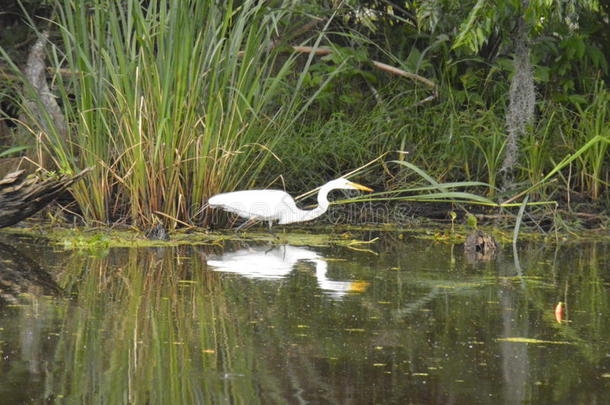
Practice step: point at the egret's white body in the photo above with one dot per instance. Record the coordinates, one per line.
(277, 205)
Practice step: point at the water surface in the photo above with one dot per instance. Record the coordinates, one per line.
(408, 321)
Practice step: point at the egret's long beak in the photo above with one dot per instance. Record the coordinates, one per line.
(360, 187)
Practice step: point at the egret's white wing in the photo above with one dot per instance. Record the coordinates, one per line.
(259, 204)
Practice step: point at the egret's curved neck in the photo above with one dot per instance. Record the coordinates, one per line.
(322, 204)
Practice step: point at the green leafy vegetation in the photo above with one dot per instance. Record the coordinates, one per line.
(172, 104)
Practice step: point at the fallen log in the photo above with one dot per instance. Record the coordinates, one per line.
(21, 196)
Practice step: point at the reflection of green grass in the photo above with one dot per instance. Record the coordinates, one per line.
(140, 335)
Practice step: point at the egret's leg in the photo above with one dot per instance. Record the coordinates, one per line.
(246, 223)
(271, 230)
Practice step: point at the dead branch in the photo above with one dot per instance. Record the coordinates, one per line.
(379, 65)
(22, 196)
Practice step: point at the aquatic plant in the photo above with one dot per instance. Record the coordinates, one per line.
(168, 104)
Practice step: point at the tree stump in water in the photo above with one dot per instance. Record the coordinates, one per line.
(22, 196)
(480, 246)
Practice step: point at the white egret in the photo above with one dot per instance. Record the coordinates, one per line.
(277, 205)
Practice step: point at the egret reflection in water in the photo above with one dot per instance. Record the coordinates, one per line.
(276, 263)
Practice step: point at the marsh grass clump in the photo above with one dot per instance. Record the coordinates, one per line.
(168, 104)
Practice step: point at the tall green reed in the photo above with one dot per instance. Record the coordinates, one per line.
(537, 148)
(488, 138)
(593, 165)
(169, 102)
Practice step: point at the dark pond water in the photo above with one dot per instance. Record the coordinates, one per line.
(407, 322)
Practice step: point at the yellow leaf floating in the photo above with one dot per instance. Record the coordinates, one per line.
(530, 340)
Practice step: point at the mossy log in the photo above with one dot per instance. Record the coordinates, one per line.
(21, 196)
